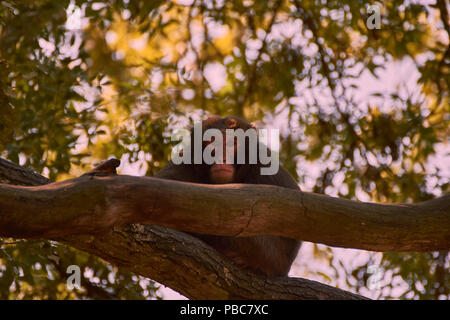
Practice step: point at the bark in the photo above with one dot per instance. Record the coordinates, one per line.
(99, 200)
(178, 260)
(92, 212)
(192, 268)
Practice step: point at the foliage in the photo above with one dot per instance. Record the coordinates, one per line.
(117, 84)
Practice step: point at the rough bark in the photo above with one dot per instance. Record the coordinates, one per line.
(178, 260)
(185, 264)
(99, 200)
(192, 268)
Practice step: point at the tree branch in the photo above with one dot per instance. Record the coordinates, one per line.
(178, 260)
(192, 268)
(96, 202)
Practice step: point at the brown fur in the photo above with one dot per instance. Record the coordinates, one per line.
(264, 254)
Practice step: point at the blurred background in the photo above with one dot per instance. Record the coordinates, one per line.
(363, 114)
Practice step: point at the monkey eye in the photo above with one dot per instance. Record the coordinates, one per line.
(231, 123)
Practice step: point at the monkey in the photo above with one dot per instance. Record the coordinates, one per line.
(267, 255)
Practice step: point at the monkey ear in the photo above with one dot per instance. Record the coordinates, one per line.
(231, 123)
(256, 124)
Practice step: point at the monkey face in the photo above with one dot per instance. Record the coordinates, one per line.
(225, 171)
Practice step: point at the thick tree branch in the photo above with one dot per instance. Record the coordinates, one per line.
(192, 268)
(180, 261)
(96, 202)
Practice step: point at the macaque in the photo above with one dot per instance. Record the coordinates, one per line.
(263, 254)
